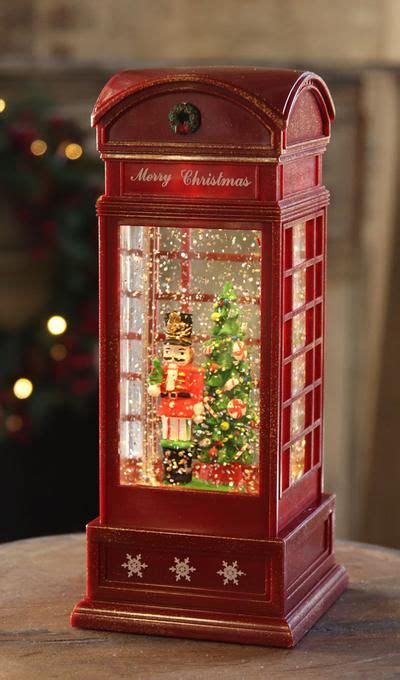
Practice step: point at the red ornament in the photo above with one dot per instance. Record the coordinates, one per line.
(213, 452)
(236, 408)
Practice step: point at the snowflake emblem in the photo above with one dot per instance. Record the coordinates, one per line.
(231, 572)
(182, 569)
(134, 565)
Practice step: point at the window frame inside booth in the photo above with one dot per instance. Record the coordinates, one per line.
(174, 509)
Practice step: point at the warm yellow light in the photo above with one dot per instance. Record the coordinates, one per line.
(58, 352)
(73, 151)
(23, 388)
(38, 147)
(3, 105)
(56, 325)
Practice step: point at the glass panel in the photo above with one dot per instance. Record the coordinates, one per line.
(131, 356)
(229, 241)
(297, 416)
(132, 315)
(132, 271)
(298, 243)
(297, 460)
(131, 397)
(298, 373)
(299, 288)
(189, 358)
(211, 275)
(131, 239)
(298, 331)
(170, 239)
(169, 275)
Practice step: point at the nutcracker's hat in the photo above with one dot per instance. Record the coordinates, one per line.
(178, 330)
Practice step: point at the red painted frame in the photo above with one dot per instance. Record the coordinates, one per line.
(271, 127)
(152, 508)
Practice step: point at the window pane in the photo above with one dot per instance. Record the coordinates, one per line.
(298, 331)
(132, 315)
(298, 373)
(297, 416)
(210, 276)
(297, 460)
(299, 288)
(131, 397)
(132, 271)
(229, 240)
(299, 243)
(169, 276)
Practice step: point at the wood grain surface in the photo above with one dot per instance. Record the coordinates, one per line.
(41, 579)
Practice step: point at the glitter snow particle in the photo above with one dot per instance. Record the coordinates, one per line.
(182, 569)
(134, 565)
(231, 572)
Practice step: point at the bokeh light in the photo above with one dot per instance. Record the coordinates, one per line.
(58, 352)
(56, 325)
(23, 388)
(14, 423)
(38, 147)
(73, 151)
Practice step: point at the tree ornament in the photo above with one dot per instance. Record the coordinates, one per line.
(224, 426)
(239, 350)
(230, 384)
(213, 452)
(215, 316)
(204, 442)
(236, 408)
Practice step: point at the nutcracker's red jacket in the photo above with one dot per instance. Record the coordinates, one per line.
(188, 391)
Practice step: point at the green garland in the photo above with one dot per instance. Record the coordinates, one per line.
(50, 186)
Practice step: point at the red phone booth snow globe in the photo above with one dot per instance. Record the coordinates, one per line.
(213, 521)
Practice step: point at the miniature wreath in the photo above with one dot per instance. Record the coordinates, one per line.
(184, 118)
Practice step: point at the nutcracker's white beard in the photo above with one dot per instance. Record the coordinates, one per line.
(172, 376)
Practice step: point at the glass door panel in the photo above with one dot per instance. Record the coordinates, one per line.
(190, 347)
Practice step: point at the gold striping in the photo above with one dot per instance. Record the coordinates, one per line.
(178, 157)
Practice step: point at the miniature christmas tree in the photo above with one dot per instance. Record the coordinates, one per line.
(228, 430)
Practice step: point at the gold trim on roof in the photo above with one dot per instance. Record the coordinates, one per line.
(178, 157)
(189, 145)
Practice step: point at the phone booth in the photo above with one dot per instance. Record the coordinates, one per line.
(213, 520)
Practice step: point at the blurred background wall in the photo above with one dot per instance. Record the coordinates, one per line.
(66, 50)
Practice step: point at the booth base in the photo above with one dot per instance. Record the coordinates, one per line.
(285, 632)
(251, 591)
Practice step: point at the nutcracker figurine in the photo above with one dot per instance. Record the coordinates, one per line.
(180, 385)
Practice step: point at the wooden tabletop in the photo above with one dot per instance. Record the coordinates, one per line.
(42, 578)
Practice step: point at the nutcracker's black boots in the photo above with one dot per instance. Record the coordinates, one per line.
(177, 465)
